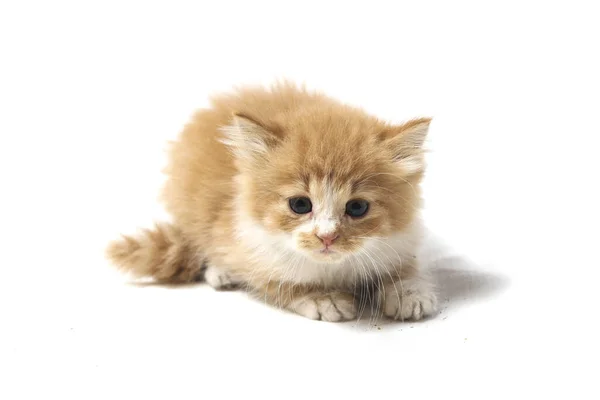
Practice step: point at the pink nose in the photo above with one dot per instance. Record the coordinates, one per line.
(328, 239)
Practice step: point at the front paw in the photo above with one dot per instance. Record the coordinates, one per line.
(332, 307)
(409, 300)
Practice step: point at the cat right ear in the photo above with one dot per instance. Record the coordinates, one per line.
(248, 138)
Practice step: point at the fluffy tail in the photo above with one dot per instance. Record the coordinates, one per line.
(161, 253)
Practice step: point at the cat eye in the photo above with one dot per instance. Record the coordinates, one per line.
(357, 208)
(300, 205)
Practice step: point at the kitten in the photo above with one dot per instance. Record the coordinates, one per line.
(300, 199)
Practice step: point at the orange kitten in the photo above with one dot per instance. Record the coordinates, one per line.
(300, 199)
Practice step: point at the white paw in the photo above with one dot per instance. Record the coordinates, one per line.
(331, 307)
(219, 279)
(409, 300)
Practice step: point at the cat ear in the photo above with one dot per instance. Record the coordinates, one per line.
(406, 144)
(248, 138)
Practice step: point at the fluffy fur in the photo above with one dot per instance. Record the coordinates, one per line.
(231, 173)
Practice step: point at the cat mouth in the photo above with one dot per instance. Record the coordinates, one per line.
(326, 250)
(327, 255)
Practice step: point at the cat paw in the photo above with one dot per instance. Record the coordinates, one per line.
(409, 301)
(332, 307)
(219, 279)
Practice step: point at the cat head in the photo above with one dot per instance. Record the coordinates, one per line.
(326, 182)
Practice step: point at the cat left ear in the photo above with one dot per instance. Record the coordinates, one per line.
(406, 143)
(248, 138)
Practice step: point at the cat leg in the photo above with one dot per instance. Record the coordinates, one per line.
(220, 279)
(410, 298)
(326, 306)
(332, 306)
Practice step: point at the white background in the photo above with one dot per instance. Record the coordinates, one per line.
(90, 92)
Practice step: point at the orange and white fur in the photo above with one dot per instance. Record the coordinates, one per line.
(301, 200)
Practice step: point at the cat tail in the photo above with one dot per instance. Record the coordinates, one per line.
(161, 253)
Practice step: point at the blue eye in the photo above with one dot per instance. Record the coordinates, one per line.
(300, 205)
(357, 208)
